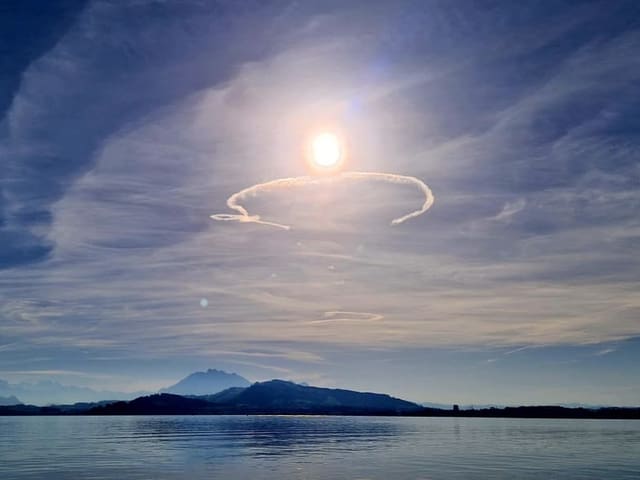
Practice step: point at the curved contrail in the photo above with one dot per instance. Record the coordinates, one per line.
(347, 316)
(234, 202)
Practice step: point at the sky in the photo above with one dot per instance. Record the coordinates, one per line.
(125, 125)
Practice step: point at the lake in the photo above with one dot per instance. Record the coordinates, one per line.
(261, 447)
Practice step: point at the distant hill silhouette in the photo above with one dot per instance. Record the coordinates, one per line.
(157, 404)
(272, 397)
(79, 408)
(206, 383)
(283, 396)
(554, 411)
(47, 392)
(10, 400)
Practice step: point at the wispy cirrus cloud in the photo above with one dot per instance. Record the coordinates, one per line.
(530, 145)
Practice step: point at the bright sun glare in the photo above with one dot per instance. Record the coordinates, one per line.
(326, 152)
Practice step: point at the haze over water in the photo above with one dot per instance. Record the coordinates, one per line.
(259, 447)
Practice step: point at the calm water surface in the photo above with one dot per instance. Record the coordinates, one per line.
(255, 447)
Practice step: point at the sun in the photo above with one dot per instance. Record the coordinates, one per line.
(326, 152)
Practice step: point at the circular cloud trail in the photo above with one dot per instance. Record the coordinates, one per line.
(235, 201)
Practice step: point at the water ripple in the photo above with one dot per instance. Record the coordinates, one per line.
(261, 447)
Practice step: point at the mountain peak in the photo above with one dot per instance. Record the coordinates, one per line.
(10, 400)
(282, 396)
(206, 383)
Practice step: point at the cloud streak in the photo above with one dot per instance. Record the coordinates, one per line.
(347, 316)
(235, 201)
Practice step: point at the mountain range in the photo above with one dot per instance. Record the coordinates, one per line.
(47, 392)
(271, 397)
(279, 397)
(218, 392)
